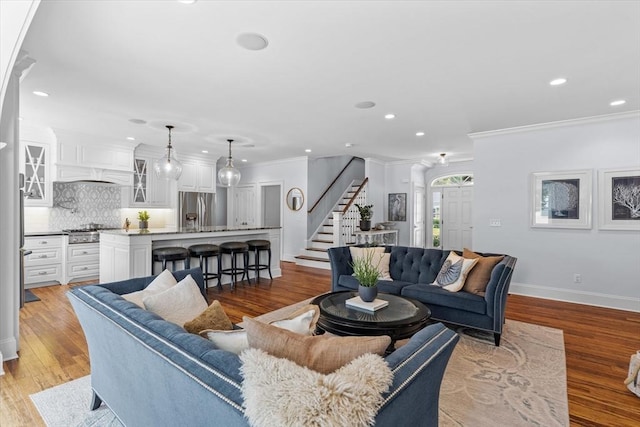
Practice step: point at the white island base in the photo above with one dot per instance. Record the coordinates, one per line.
(127, 254)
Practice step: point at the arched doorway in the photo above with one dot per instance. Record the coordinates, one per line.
(452, 202)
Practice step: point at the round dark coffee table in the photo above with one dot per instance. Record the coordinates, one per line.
(402, 318)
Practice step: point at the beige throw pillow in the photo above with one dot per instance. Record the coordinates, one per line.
(321, 353)
(379, 259)
(178, 304)
(302, 321)
(478, 278)
(453, 272)
(213, 317)
(161, 283)
(277, 392)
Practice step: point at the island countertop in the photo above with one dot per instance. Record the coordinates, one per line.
(182, 230)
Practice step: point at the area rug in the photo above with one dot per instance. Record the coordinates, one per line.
(520, 383)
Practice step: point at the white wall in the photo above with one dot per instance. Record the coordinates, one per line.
(609, 261)
(398, 180)
(291, 173)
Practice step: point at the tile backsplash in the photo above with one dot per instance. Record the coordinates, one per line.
(78, 203)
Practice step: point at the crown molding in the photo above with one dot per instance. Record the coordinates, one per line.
(551, 125)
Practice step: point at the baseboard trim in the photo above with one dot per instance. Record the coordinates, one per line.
(578, 297)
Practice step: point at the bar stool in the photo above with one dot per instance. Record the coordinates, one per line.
(256, 246)
(173, 254)
(234, 249)
(204, 252)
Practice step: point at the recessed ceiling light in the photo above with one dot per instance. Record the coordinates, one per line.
(244, 160)
(308, 150)
(365, 104)
(138, 121)
(618, 102)
(348, 145)
(130, 138)
(205, 151)
(557, 82)
(420, 133)
(187, 1)
(389, 116)
(39, 93)
(252, 41)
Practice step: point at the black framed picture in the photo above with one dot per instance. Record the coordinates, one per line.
(397, 207)
(619, 199)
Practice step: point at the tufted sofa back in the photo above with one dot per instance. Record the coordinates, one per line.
(416, 265)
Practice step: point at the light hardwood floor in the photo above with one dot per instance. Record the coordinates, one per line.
(598, 344)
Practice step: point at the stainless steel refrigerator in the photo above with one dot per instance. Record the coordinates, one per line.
(23, 252)
(196, 210)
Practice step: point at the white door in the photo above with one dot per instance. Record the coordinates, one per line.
(455, 227)
(418, 217)
(244, 206)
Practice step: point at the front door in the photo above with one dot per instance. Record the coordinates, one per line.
(455, 227)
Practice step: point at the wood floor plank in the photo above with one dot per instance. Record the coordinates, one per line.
(598, 344)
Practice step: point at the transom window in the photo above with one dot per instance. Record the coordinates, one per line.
(452, 181)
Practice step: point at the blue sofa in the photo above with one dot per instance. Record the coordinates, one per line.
(153, 373)
(414, 269)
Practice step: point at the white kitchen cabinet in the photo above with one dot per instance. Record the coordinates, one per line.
(44, 264)
(110, 163)
(148, 190)
(35, 164)
(83, 262)
(197, 176)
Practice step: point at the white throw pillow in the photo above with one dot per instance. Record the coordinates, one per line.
(278, 392)
(380, 259)
(178, 304)
(453, 272)
(161, 283)
(236, 341)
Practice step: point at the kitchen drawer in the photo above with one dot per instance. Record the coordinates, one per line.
(83, 269)
(41, 242)
(86, 252)
(42, 273)
(44, 256)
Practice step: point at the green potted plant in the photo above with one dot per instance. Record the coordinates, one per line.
(143, 220)
(366, 212)
(366, 272)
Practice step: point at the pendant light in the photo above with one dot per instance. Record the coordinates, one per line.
(228, 175)
(443, 160)
(168, 167)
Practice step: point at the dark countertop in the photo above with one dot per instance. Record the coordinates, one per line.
(179, 230)
(44, 233)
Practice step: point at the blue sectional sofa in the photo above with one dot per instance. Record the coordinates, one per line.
(151, 372)
(414, 269)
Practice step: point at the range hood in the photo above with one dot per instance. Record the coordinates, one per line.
(93, 175)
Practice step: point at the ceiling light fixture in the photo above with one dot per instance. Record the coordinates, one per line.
(168, 167)
(229, 176)
(389, 116)
(557, 82)
(443, 160)
(618, 102)
(39, 93)
(308, 150)
(252, 41)
(365, 104)
(205, 151)
(420, 133)
(243, 160)
(130, 138)
(348, 145)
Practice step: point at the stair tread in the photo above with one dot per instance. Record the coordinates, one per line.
(316, 249)
(311, 258)
(322, 241)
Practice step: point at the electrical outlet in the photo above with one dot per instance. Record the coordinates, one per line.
(577, 278)
(495, 222)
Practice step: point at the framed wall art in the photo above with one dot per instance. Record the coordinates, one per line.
(619, 199)
(561, 199)
(397, 207)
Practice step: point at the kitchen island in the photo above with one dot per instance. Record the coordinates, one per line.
(126, 254)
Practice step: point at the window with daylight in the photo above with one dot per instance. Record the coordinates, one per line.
(436, 198)
(452, 180)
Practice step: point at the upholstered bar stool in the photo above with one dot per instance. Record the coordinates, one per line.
(233, 249)
(172, 254)
(257, 246)
(204, 252)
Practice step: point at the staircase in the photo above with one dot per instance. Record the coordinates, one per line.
(315, 255)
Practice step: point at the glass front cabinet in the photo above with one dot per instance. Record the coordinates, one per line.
(36, 161)
(140, 175)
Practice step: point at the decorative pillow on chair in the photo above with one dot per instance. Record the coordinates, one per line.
(321, 353)
(213, 317)
(178, 304)
(302, 321)
(161, 283)
(478, 278)
(380, 259)
(277, 392)
(454, 271)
